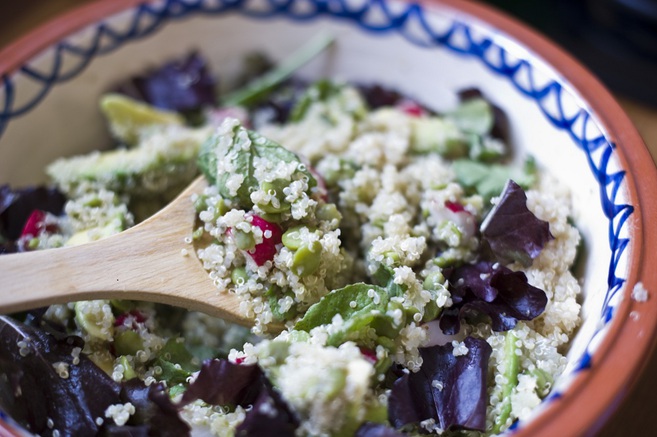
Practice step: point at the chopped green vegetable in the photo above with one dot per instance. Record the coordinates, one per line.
(128, 370)
(512, 365)
(544, 382)
(489, 180)
(292, 238)
(328, 212)
(91, 316)
(438, 135)
(127, 117)
(128, 342)
(159, 163)
(473, 116)
(274, 296)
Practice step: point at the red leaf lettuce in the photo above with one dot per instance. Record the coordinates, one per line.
(450, 390)
(493, 290)
(512, 231)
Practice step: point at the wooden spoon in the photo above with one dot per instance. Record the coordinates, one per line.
(152, 261)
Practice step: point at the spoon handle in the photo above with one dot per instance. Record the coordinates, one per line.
(151, 261)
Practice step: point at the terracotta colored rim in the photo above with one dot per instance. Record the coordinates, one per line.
(618, 362)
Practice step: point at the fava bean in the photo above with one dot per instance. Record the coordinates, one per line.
(328, 212)
(244, 240)
(307, 258)
(292, 237)
(239, 276)
(277, 203)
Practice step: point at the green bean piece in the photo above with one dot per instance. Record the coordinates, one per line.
(262, 86)
(128, 342)
(544, 382)
(511, 373)
(307, 258)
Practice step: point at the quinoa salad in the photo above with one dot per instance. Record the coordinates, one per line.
(406, 274)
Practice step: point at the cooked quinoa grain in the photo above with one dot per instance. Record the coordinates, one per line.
(366, 245)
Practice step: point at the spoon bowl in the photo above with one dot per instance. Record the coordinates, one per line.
(153, 261)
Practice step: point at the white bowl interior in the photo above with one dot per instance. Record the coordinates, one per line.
(67, 121)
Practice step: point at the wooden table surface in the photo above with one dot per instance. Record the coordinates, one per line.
(635, 417)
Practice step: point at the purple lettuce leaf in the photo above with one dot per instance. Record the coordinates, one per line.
(449, 389)
(182, 85)
(32, 391)
(378, 96)
(512, 231)
(221, 382)
(16, 205)
(155, 414)
(38, 393)
(269, 417)
(490, 289)
(371, 429)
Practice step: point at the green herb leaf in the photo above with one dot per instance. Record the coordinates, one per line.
(362, 312)
(340, 302)
(238, 149)
(320, 91)
(385, 277)
(176, 362)
(259, 89)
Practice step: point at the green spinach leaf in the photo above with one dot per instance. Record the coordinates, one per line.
(366, 318)
(230, 155)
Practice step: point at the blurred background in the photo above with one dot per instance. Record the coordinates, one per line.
(616, 39)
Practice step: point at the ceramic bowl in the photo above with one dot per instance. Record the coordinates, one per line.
(50, 82)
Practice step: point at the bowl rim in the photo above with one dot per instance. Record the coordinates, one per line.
(603, 385)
